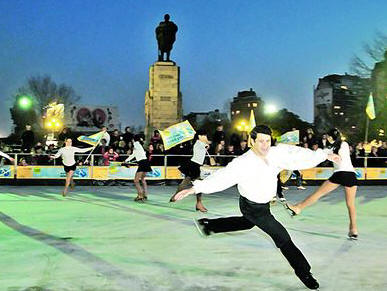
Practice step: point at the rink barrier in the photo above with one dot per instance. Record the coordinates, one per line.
(161, 172)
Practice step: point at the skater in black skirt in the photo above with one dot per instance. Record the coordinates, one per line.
(191, 168)
(143, 168)
(68, 159)
(344, 174)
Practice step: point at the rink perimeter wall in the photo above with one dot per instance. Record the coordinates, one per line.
(159, 173)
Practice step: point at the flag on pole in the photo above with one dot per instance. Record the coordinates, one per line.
(290, 137)
(176, 134)
(251, 126)
(251, 120)
(370, 109)
(92, 139)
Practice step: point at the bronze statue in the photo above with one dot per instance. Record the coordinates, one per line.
(166, 36)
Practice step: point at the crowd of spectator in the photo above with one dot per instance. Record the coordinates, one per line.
(223, 148)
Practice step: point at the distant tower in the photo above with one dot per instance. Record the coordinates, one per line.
(241, 106)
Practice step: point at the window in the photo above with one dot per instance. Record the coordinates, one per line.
(255, 104)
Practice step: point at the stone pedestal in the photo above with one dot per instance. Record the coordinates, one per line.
(163, 100)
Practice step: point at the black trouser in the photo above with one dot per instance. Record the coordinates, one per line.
(280, 194)
(298, 178)
(257, 214)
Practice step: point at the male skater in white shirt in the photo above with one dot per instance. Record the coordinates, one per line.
(255, 173)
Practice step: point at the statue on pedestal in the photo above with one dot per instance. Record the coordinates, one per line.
(166, 36)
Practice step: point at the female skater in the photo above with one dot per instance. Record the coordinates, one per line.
(143, 168)
(191, 169)
(68, 160)
(344, 174)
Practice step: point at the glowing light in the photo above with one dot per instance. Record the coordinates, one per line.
(270, 109)
(243, 126)
(25, 102)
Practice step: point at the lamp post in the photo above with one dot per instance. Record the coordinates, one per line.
(243, 127)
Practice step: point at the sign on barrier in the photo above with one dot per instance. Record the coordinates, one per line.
(325, 173)
(158, 173)
(50, 172)
(376, 173)
(123, 173)
(7, 172)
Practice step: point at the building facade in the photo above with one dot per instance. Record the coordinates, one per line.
(241, 106)
(337, 99)
(197, 119)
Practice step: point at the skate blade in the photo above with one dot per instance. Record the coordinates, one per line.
(199, 229)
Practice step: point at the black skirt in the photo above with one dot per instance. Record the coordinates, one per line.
(144, 166)
(70, 168)
(347, 179)
(190, 169)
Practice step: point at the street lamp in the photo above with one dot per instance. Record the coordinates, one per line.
(25, 102)
(270, 109)
(243, 127)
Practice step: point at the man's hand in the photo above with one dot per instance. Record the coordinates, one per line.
(334, 158)
(12, 159)
(182, 194)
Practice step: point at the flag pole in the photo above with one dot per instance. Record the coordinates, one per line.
(366, 129)
(93, 148)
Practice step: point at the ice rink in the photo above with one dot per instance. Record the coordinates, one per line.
(98, 238)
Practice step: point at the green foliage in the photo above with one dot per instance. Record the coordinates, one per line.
(41, 91)
(283, 121)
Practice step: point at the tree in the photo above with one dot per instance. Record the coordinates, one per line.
(40, 91)
(375, 68)
(284, 120)
(362, 67)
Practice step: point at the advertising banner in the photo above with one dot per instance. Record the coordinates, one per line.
(50, 172)
(376, 173)
(7, 172)
(124, 173)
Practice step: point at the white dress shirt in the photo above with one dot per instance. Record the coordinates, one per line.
(138, 153)
(256, 177)
(68, 153)
(199, 152)
(5, 155)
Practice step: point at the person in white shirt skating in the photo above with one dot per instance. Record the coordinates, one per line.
(255, 174)
(67, 153)
(191, 168)
(143, 167)
(344, 174)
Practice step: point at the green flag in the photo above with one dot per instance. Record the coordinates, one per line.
(370, 109)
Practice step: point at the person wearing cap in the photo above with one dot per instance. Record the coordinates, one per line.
(343, 174)
(255, 174)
